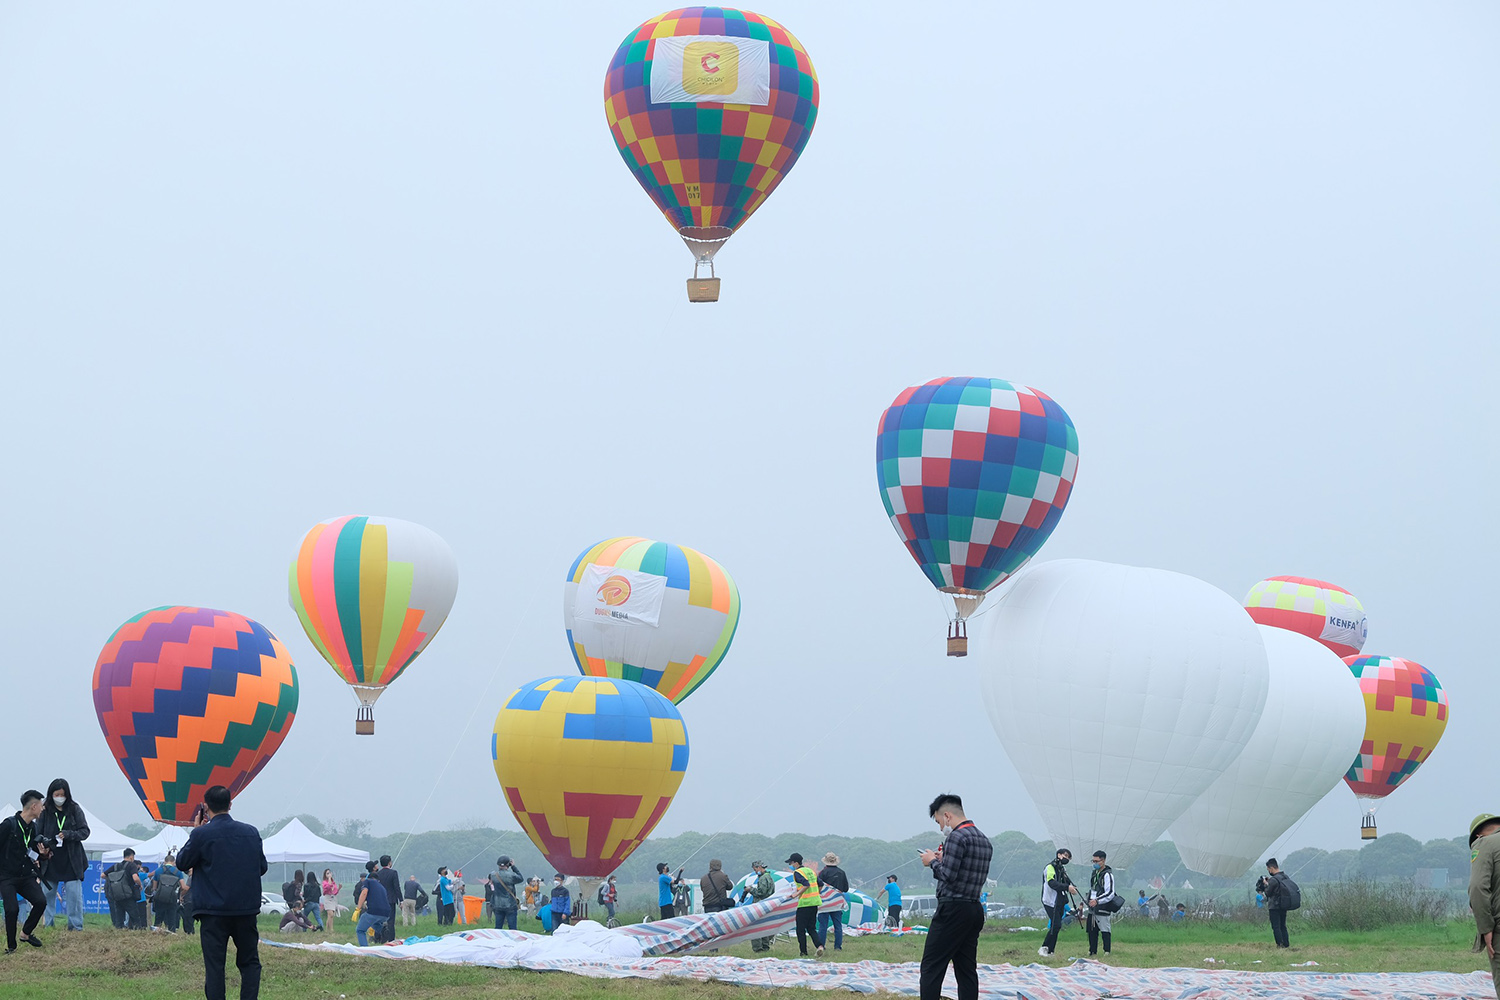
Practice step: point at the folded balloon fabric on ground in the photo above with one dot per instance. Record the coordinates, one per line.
(590, 949)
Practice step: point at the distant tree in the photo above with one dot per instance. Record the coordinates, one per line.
(1394, 855)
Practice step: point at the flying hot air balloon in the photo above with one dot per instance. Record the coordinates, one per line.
(1406, 711)
(371, 592)
(710, 108)
(1319, 610)
(1120, 694)
(190, 698)
(659, 614)
(974, 473)
(588, 766)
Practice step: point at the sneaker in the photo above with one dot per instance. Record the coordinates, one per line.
(1043, 951)
(820, 952)
(34, 941)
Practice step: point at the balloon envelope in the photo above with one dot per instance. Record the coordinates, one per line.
(588, 766)
(1315, 608)
(710, 108)
(658, 614)
(1406, 712)
(189, 698)
(1312, 724)
(1120, 694)
(371, 592)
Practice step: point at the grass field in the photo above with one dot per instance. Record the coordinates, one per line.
(103, 964)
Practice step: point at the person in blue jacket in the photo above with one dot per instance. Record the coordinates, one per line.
(562, 903)
(226, 859)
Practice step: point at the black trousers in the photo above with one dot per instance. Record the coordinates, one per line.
(1054, 921)
(167, 913)
(117, 914)
(27, 887)
(807, 925)
(139, 921)
(1278, 928)
(216, 934)
(445, 913)
(187, 918)
(953, 937)
(668, 912)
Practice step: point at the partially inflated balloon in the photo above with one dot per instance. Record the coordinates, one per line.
(371, 592)
(974, 474)
(588, 767)
(710, 108)
(1317, 609)
(1120, 694)
(659, 614)
(189, 698)
(1406, 712)
(1313, 721)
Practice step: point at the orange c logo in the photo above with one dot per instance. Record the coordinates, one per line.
(614, 591)
(710, 62)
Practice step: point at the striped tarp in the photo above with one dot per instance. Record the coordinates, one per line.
(725, 929)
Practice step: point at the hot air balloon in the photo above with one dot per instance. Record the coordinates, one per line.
(974, 473)
(588, 766)
(371, 592)
(1317, 609)
(710, 108)
(190, 698)
(1406, 711)
(658, 614)
(1120, 694)
(1313, 721)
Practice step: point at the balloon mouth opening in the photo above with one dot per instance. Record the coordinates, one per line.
(704, 241)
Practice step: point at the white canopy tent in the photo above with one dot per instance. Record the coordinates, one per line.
(296, 844)
(155, 850)
(10, 810)
(102, 836)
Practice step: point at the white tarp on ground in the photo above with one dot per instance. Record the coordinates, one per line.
(168, 840)
(591, 950)
(295, 844)
(102, 836)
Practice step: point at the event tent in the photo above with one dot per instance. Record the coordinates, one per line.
(102, 836)
(296, 844)
(10, 810)
(155, 850)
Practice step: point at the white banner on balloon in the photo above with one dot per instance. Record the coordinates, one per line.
(1345, 626)
(609, 595)
(711, 69)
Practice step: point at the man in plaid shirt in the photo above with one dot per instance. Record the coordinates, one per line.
(961, 866)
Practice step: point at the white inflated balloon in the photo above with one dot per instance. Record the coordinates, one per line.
(1312, 728)
(1120, 694)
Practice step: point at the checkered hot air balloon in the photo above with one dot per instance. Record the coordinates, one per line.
(588, 766)
(659, 614)
(974, 473)
(371, 592)
(710, 108)
(1406, 712)
(190, 698)
(1317, 609)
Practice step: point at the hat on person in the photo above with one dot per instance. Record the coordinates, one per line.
(794, 859)
(503, 859)
(757, 864)
(1479, 821)
(830, 858)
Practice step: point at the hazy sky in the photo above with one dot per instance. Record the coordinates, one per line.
(263, 266)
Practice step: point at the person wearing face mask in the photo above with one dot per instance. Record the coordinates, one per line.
(1101, 898)
(64, 826)
(960, 866)
(1056, 885)
(562, 903)
(20, 848)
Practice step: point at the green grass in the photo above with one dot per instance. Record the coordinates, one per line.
(103, 964)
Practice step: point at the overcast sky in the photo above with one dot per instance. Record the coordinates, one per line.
(265, 265)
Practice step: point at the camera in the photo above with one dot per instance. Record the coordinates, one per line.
(1260, 884)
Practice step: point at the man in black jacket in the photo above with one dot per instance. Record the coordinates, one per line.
(835, 876)
(1274, 886)
(227, 860)
(19, 875)
(390, 879)
(64, 826)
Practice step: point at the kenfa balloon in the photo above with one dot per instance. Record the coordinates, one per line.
(974, 474)
(371, 592)
(1313, 722)
(588, 766)
(190, 698)
(1315, 608)
(710, 108)
(658, 614)
(1406, 712)
(1119, 694)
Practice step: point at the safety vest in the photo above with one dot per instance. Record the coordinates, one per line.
(810, 895)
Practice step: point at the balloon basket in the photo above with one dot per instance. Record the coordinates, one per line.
(703, 289)
(1367, 829)
(958, 639)
(364, 721)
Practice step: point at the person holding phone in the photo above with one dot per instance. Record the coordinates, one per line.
(960, 866)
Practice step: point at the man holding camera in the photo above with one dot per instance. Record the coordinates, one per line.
(506, 901)
(227, 860)
(1055, 888)
(1274, 885)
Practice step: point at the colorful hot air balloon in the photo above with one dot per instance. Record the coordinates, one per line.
(658, 614)
(588, 766)
(190, 698)
(1406, 711)
(1319, 610)
(371, 592)
(710, 108)
(974, 473)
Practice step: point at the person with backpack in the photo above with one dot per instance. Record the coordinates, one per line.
(292, 892)
(166, 889)
(1103, 903)
(312, 899)
(1282, 894)
(609, 894)
(505, 900)
(122, 887)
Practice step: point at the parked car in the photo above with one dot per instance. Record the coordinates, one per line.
(272, 904)
(918, 906)
(999, 911)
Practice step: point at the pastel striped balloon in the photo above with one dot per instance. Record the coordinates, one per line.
(658, 614)
(1316, 608)
(371, 592)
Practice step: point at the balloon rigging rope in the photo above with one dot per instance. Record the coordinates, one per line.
(504, 654)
